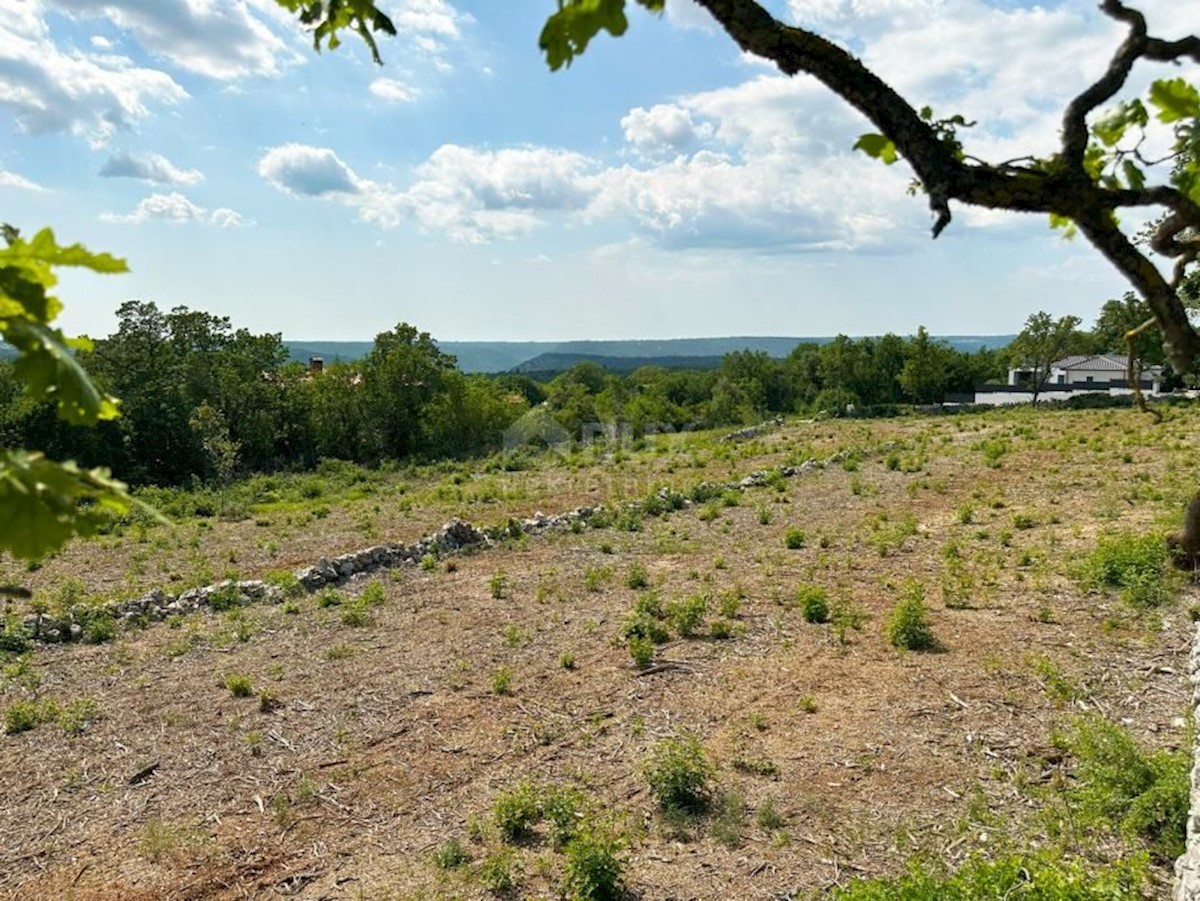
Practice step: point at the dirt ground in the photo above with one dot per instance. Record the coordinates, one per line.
(363, 748)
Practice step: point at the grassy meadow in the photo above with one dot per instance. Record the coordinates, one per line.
(953, 651)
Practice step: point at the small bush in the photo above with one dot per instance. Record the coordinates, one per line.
(679, 774)
(500, 871)
(451, 855)
(794, 539)
(502, 681)
(356, 615)
(227, 597)
(285, 581)
(563, 809)
(499, 584)
(21, 717)
(330, 597)
(1135, 564)
(637, 577)
(373, 594)
(687, 614)
(239, 686)
(641, 649)
(429, 563)
(516, 811)
(100, 629)
(75, 717)
(593, 867)
(720, 629)
(814, 603)
(907, 628)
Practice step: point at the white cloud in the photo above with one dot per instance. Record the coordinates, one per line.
(221, 39)
(90, 95)
(665, 127)
(690, 14)
(475, 196)
(100, 42)
(152, 167)
(176, 208)
(429, 17)
(393, 91)
(12, 180)
(308, 171)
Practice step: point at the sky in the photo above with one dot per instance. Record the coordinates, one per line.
(665, 185)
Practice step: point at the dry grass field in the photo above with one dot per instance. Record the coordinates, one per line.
(397, 739)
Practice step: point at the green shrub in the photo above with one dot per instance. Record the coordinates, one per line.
(285, 581)
(429, 563)
(641, 649)
(814, 603)
(720, 629)
(793, 539)
(1137, 793)
(907, 627)
(499, 584)
(593, 868)
(100, 629)
(502, 681)
(75, 717)
(356, 615)
(563, 809)
(450, 855)
(516, 811)
(1044, 877)
(373, 594)
(239, 686)
(687, 614)
(330, 597)
(637, 577)
(227, 597)
(679, 774)
(1134, 563)
(21, 717)
(500, 871)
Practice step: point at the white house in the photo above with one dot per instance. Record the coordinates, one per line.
(1071, 377)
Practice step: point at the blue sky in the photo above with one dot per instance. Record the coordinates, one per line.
(665, 185)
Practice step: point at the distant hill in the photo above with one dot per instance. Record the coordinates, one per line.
(554, 363)
(505, 356)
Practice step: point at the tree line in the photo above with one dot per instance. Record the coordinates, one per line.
(202, 401)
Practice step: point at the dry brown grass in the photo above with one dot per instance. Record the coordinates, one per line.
(388, 740)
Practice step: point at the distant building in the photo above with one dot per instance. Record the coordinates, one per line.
(1071, 377)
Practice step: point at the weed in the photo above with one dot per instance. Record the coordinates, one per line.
(641, 649)
(373, 594)
(330, 597)
(907, 628)
(596, 577)
(100, 629)
(563, 810)
(429, 563)
(25, 715)
(240, 686)
(451, 855)
(1136, 564)
(679, 774)
(286, 582)
(807, 704)
(729, 820)
(687, 614)
(593, 868)
(502, 681)
(793, 539)
(720, 629)
(567, 660)
(500, 871)
(731, 604)
(814, 603)
(499, 584)
(516, 811)
(769, 818)
(75, 717)
(637, 577)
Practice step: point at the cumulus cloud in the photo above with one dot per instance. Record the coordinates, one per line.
(221, 39)
(665, 127)
(48, 90)
(429, 17)
(393, 91)
(474, 196)
(12, 180)
(176, 208)
(151, 167)
(308, 171)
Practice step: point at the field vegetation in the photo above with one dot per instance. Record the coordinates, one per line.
(970, 672)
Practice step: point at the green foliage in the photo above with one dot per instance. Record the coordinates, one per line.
(499, 584)
(1137, 793)
(637, 577)
(593, 867)
(641, 649)
(500, 871)
(1134, 563)
(238, 685)
(687, 614)
(1031, 877)
(327, 17)
(516, 811)
(907, 627)
(563, 809)
(451, 855)
(679, 774)
(568, 32)
(794, 539)
(814, 603)
(502, 681)
(877, 147)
